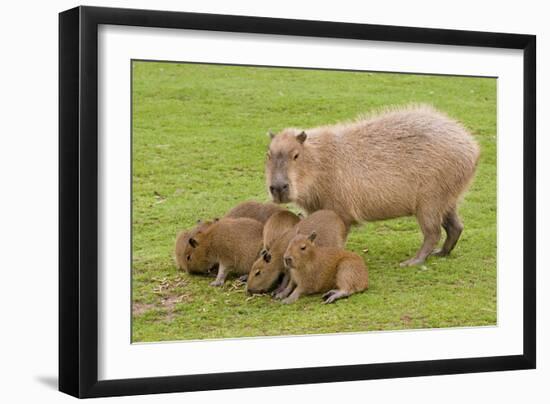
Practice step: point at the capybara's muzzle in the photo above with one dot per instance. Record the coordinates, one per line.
(288, 262)
(279, 192)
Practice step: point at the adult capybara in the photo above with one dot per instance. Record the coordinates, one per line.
(331, 231)
(407, 161)
(315, 269)
(254, 210)
(232, 244)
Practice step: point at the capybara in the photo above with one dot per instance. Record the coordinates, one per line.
(277, 225)
(405, 161)
(251, 209)
(233, 244)
(316, 269)
(182, 241)
(331, 231)
(254, 210)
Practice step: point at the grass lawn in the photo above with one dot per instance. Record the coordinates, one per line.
(199, 145)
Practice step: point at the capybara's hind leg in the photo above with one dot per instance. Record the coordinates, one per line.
(430, 224)
(351, 277)
(453, 227)
(332, 295)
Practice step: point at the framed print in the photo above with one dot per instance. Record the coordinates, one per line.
(250, 201)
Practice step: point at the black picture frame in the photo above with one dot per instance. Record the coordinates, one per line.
(78, 201)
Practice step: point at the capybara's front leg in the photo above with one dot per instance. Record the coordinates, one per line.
(220, 278)
(293, 296)
(283, 285)
(281, 295)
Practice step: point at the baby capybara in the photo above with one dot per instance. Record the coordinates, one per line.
(251, 209)
(278, 224)
(182, 241)
(232, 244)
(331, 231)
(335, 271)
(412, 161)
(254, 210)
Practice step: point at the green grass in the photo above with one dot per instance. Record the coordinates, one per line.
(198, 149)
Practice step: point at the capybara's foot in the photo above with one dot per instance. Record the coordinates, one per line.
(289, 300)
(277, 293)
(217, 282)
(243, 278)
(440, 252)
(332, 295)
(296, 293)
(330, 292)
(412, 262)
(280, 295)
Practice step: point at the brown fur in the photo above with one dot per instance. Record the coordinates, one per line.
(277, 225)
(408, 161)
(315, 269)
(255, 210)
(251, 209)
(233, 244)
(331, 231)
(182, 241)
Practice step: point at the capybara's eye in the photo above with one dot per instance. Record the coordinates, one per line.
(189, 258)
(296, 156)
(257, 273)
(303, 247)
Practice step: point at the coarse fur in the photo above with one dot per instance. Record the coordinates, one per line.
(405, 161)
(315, 269)
(331, 231)
(255, 210)
(233, 244)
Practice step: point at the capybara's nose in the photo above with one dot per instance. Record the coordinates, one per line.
(288, 261)
(278, 189)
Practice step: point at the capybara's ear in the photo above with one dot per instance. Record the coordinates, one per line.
(301, 137)
(267, 257)
(312, 236)
(270, 134)
(194, 243)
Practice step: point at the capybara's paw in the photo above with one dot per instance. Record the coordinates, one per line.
(329, 293)
(330, 299)
(243, 278)
(216, 283)
(280, 295)
(289, 300)
(277, 291)
(439, 252)
(333, 295)
(412, 262)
